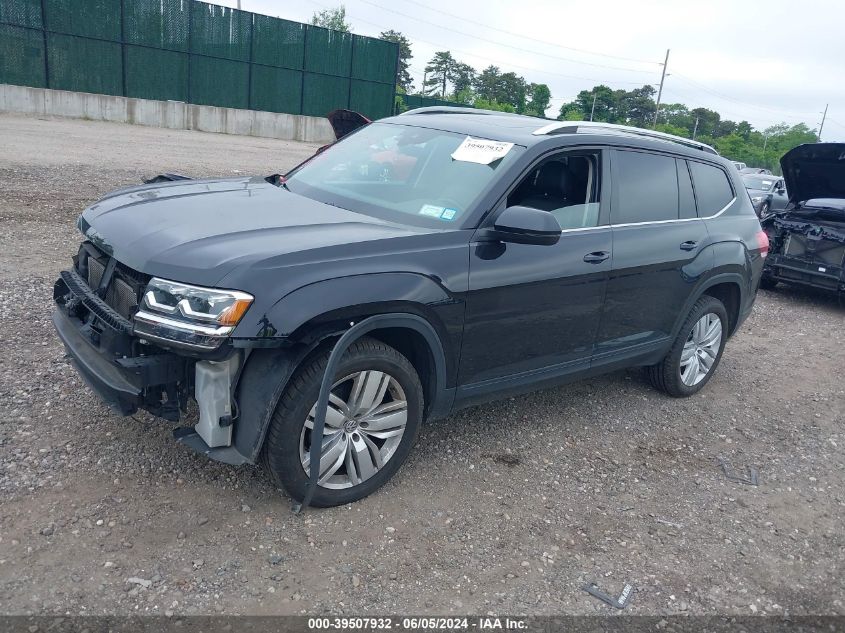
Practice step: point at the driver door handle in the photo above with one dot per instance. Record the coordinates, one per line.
(596, 257)
(689, 245)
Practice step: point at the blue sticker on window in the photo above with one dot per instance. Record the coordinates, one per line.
(448, 214)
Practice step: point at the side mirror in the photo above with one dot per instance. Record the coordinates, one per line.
(526, 225)
(781, 191)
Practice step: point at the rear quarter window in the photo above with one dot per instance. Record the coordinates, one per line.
(713, 190)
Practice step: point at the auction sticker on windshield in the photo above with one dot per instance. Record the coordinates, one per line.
(433, 211)
(481, 151)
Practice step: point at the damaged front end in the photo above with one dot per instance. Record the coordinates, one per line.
(98, 302)
(806, 250)
(807, 239)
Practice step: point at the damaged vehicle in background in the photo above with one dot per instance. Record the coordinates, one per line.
(767, 193)
(807, 238)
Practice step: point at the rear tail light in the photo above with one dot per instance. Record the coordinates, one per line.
(762, 242)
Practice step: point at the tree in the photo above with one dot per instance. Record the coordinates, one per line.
(403, 77)
(462, 77)
(639, 105)
(334, 19)
(512, 90)
(438, 72)
(484, 104)
(606, 110)
(540, 96)
(488, 84)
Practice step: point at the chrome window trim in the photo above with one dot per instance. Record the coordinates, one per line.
(708, 217)
(611, 225)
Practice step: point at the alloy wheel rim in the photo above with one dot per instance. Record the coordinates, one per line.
(701, 349)
(365, 421)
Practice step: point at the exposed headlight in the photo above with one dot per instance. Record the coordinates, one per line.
(756, 199)
(189, 316)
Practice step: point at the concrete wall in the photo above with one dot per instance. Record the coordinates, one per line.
(169, 114)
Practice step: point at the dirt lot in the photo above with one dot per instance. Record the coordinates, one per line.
(506, 508)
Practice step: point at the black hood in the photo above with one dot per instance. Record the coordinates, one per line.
(344, 122)
(814, 170)
(199, 231)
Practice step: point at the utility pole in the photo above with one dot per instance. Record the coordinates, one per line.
(593, 109)
(660, 90)
(695, 129)
(765, 141)
(239, 5)
(824, 116)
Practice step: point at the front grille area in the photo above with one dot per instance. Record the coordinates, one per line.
(815, 251)
(120, 295)
(123, 292)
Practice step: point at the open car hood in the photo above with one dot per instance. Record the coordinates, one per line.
(345, 121)
(814, 170)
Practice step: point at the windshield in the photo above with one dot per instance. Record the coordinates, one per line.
(758, 181)
(400, 173)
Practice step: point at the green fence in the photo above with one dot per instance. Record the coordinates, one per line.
(186, 50)
(418, 101)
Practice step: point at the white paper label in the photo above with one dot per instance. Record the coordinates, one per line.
(431, 210)
(481, 151)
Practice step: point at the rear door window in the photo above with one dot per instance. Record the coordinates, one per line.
(645, 187)
(713, 190)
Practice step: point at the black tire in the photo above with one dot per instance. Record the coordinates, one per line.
(280, 453)
(666, 375)
(768, 283)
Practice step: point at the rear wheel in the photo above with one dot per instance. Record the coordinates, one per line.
(373, 418)
(696, 352)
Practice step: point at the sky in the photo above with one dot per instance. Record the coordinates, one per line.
(768, 62)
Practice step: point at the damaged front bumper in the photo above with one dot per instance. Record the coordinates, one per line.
(130, 373)
(806, 253)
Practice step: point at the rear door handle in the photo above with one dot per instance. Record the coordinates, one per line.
(689, 245)
(597, 257)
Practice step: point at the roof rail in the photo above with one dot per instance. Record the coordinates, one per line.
(573, 127)
(450, 110)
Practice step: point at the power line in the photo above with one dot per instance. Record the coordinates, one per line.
(689, 101)
(484, 59)
(516, 48)
(715, 93)
(533, 39)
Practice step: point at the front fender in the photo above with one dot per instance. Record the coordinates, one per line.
(326, 307)
(267, 371)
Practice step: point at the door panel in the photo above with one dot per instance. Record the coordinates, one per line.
(657, 255)
(532, 307)
(779, 200)
(651, 277)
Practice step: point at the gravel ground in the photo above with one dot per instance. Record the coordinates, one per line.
(505, 508)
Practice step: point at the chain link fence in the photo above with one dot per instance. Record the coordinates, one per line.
(186, 50)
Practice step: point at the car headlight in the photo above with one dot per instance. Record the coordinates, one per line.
(189, 316)
(756, 199)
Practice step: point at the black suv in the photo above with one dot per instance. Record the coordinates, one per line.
(457, 256)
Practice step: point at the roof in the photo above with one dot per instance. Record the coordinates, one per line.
(528, 130)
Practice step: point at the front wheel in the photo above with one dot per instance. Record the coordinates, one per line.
(696, 352)
(373, 418)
